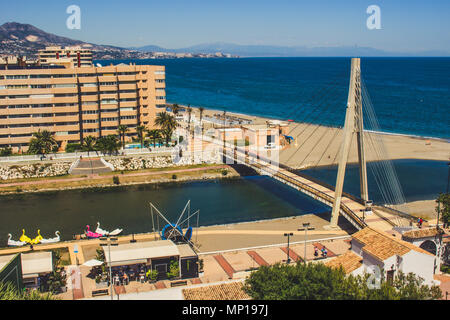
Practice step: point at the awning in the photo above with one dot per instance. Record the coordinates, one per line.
(140, 252)
(36, 262)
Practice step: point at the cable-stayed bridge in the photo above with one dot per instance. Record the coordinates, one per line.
(316, 145)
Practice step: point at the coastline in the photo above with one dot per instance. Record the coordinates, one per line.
(268, 118)
(393, 145)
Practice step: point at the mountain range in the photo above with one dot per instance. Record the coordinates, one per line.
(25, 39)
(293, 51)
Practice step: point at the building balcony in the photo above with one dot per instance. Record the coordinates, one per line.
(89, 98)
(128, 121)
(128, 104)
(107, 79)
(127, 78)
(127, 86)
(73, 99)
(129, 95)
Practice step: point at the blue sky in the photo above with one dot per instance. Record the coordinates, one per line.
(406, 25)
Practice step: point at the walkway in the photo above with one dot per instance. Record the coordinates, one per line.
(97, 177)
(90, 166)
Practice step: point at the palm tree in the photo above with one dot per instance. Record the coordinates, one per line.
(154, 134)
(176, 109)
(89, 144)
(201, 109)
(122, 130)
(140, 130)
(108, 145)
(42, 142)
(189, 111)
(167, 123)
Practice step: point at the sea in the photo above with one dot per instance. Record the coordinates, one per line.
(410, 96)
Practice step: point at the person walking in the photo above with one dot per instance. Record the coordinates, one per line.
(316, 252)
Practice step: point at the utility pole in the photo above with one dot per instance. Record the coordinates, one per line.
(109, 244)
(306, 228)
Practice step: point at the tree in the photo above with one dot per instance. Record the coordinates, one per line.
(108, 145)
(89, 144)
(5, 152)
(316, 281)
(122, 130)
(42, 142)
(9, 292)
(154, 134)
(167, 123)
(443, 202)
(176, 109)
(201, 109)
(140, 130)
(189, 110)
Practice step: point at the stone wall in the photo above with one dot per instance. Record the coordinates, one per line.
(147, 162)
(36, 170)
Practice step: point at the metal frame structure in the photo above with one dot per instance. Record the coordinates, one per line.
(179, 223)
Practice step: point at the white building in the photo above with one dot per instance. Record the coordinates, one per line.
(371, 249)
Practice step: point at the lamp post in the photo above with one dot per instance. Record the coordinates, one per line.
(109, 244)
(305, 228)
(288, 235)
(363, 214)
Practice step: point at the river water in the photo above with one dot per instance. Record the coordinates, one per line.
(219, 201)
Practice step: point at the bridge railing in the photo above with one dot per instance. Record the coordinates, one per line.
(252, 156)
(313, 190)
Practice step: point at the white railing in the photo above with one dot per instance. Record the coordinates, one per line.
(74, 165)
(107, 164)
(92, 154)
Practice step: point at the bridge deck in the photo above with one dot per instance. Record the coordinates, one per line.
(300, 182)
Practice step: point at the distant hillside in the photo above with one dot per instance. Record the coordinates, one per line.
(296, 51)
(25, 39)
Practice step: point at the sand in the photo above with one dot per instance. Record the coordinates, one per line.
(311, 141)
(319, 146)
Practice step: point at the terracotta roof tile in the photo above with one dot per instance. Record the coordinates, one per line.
(382, 246)
(422, 233)
(350, 261)
(225, 291)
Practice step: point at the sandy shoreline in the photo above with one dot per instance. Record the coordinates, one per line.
(319, 145)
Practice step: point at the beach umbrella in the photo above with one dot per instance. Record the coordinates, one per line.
(93, 263)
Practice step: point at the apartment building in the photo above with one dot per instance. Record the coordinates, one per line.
(75, 57)
(77, 102)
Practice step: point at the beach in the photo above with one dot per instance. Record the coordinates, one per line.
(319, 146)
(312, 140)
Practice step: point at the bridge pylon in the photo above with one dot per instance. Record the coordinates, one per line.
(353, 125)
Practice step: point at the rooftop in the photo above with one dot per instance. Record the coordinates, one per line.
(350, 261)
(226, 291)
(382, 246)
(139, 252)
(33, 263)
(422, 233)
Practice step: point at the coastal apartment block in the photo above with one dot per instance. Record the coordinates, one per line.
(76, 57)
(77, 102)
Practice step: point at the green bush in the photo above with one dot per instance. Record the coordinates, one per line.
(174, 270)
(5, 152)
(174, 177)
(224, 172)
(73, 147)
(152, 274)
(445, 269)
(116, 180)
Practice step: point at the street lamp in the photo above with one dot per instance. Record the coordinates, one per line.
(109, 244)
(363, 214)
(288, 235)
(305, 228)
